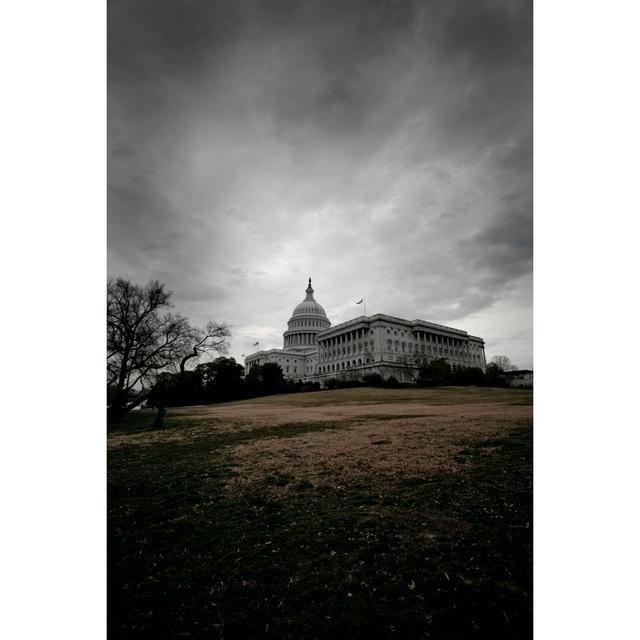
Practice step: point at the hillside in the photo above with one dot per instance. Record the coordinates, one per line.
(349, 513)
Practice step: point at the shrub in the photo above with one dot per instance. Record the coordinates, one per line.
(342, 383)
(373, 380)
(392, 383)
(469, 376)
(330, 383)
(436, 373)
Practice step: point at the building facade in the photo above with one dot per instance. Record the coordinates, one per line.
(313, 350)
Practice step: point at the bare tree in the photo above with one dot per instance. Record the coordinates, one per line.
(212, 339)
(503, 363)
(144, 339)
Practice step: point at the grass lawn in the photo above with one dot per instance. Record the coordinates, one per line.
(357, 513)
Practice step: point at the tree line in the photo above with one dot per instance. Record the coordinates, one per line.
(222, 380)
(422, 372)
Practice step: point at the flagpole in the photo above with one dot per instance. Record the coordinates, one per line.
(364, 304)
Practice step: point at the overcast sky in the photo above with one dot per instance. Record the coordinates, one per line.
(382, 148)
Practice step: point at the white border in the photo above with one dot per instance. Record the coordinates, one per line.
(585, 293)
(53, 472)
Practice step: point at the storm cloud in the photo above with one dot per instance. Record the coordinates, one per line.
(383, 148)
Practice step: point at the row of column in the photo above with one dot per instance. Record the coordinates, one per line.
(469, 354)
(343, 338)
(326, 353)
(424, 336)
(337, 342)
(296, 339)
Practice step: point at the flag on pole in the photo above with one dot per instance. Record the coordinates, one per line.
(360, 301)
(255, 344)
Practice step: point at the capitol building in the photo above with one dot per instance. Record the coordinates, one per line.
(315, 351)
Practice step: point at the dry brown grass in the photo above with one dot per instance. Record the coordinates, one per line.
(371, 431)
(413, 439)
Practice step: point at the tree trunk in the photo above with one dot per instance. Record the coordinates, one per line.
(186, 359)
(159, 421)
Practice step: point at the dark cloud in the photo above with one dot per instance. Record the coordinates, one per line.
(167, 38)
(505, 244)
(492, 34)
(381, 147)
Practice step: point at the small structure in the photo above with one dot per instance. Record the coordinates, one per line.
(522, 378)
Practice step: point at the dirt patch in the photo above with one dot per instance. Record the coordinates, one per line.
(250, 414)
(363, 444)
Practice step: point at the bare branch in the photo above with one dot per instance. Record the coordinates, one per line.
(213, 339)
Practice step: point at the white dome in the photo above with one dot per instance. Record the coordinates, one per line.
(309, 307)
(307, 320)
